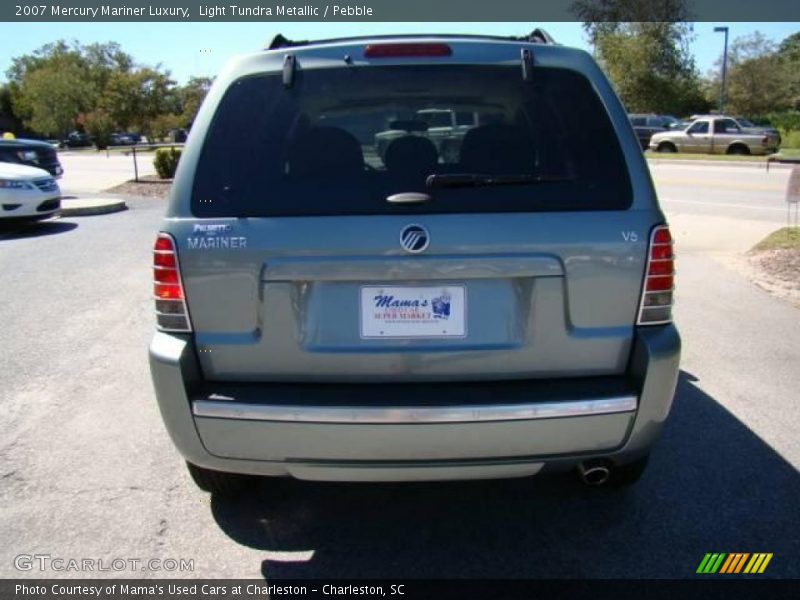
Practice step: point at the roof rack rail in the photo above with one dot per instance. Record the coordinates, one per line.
(537, 36)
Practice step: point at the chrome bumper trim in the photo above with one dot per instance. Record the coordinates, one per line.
(220, 409)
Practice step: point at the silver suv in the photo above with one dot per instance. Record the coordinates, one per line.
(329, 313)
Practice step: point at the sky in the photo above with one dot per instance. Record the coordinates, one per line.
(188, 49)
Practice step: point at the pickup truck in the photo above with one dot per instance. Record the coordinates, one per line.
(714, 135)
(746, 125)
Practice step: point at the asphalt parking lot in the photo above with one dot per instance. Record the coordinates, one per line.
(87, 469)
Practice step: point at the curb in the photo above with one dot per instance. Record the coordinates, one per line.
(90, 208)
(766, 164)
(708, 163)
(783, 160)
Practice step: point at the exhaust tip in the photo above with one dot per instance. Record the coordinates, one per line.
(594, 472)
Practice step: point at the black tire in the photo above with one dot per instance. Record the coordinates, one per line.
(626, 475)
(739, 150)
(667, 148)
(218, 482)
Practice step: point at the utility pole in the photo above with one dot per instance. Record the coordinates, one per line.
(724, 69)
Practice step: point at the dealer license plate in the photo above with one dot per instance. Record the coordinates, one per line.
(413, 312)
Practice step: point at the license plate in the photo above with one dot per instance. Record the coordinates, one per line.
(413, 312)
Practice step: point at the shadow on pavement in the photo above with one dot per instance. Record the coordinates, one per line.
(22, 229)
(712, 486)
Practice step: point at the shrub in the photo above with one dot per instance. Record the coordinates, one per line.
(785, 121)
(791, 139)
(166, 162)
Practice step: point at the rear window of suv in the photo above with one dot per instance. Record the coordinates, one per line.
(476, 138)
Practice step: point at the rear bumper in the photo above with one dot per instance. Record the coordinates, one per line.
(345, 433)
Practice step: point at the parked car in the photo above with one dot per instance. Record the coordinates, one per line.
(646, 125)
(177, 136)
(714, 135)
(77, 139)
(497, 313)
(669, 121)
(121, 139)
(679, 125)
(27, 192)
(32, 153)
(135, 138)
(124, 139)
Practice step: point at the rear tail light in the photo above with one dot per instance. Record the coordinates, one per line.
(406, 50)
(765, 141)
(171, 313)
(655, 307)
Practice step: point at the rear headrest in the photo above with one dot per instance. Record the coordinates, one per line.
(411, 154)
(497, 149)
(325, 152)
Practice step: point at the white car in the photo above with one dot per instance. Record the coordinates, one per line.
(27, 192)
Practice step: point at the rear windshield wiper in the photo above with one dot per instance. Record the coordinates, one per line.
(478, 179)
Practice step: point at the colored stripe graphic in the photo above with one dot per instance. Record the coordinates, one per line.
(702, 567)
(718, 562)
(734, 563)
(740, 564)
(711, 562)
(755, 562)
(758, 563)
(727, 564)
(765, 563)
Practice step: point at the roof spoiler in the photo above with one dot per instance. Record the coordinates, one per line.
(280, 41)
(537, 36)
(540, 36)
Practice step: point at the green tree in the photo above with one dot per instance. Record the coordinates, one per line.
(159, 96)
(604, 17)
(6, 109)
(5, 100)
(191, 97)
(55, 52)
(758, 81)
(103, 60)
(39, 82)
(790, 47)
(651, 68)
(64, 83)
(644, 50)
(100, 126)
(9, 122)
(120, 99)
(29, 94)
(789, 56)
(53, 96)
(135, 98)
(163, 124)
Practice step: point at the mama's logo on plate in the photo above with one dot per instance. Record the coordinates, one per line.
(441, 307)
